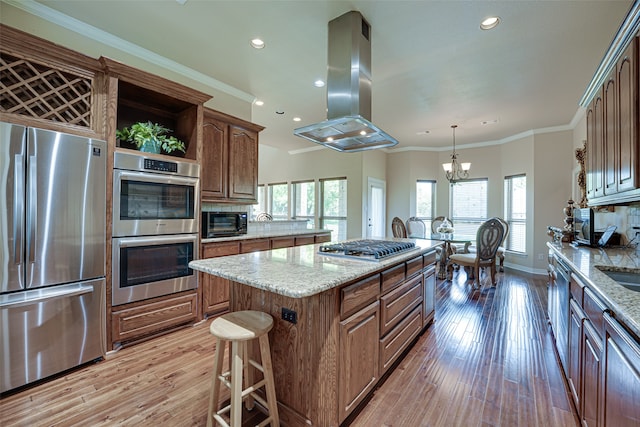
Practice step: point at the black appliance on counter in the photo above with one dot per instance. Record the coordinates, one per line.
(223, 224)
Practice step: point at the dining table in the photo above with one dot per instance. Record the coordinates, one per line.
(453, 243)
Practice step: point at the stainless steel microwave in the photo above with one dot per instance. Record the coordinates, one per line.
(221, 224)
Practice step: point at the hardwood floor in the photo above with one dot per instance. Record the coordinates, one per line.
(488, 360)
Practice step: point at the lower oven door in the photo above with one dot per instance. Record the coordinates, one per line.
(148, 267)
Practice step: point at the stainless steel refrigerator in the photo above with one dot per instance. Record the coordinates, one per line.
(52, 253)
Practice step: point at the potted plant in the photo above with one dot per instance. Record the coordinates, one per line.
(150, 137)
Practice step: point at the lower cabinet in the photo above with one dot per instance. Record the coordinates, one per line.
(215, 290)
(620, 377)
(137, 322)
(429, 294)
(358, 360)
(591, 375)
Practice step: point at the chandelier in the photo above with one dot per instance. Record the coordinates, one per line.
(456, 171)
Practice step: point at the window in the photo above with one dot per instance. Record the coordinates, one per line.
(515, 212)
(425, 201)
(304, 201)
(334, 207)
(260, 207)
(279, 201)
(469, 205)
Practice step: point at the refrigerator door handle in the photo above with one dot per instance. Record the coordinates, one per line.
(18, 208)
(33, 211)
(46, 297)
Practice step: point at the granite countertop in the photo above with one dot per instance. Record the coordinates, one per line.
(265, 234)
(624, 302)
(300, 271)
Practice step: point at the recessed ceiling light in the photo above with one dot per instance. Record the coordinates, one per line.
(423, 132)
(489, 122)
(181, 2)
(490, 22)
(259, 103)
(296, 119)
(318, 83)
(257, 43)
(279, 112)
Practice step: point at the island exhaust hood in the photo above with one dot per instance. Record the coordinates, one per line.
(347, 127)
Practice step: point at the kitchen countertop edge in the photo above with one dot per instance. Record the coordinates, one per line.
(300, 271)
(624, 302)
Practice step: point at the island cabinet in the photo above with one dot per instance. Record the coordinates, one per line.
(229, 159)
(342, 341)
(620, 376)
(613, 135)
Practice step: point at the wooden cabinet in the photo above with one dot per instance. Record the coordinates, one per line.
(429, 294)
(282, 242)
(322, 238)
(585, 351)
(229, 160)
(595, 148)
(136, 322)
(591, 376)
(396, 304)
(612, 134)
(620, 377)
(138, 96)
(358, 358)
(256, 245)
(305, 240)
(215, 290)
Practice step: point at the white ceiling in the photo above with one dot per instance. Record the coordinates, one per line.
(431, 64)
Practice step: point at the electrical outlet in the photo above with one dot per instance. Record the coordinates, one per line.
(540, 257)
(289, 315)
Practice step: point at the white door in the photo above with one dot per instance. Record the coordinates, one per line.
(376, 208)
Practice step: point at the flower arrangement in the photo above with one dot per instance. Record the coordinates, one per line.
(446, 227)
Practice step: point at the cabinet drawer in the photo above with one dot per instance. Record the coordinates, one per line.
(577, 290)
(594, 310)
(392, 277)
(392, 346)
(322, 238)
(255, 245)
(395, 305)
(211, 250)
(305, 240)
(358, 295)
(143, 320)
(414, 266)
(282, 242)
(429, 258)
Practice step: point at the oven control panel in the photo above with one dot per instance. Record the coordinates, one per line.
(160, 165)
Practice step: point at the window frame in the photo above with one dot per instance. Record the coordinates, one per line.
(508, 213)
(311, 219)
(341, 232)
(470, 221)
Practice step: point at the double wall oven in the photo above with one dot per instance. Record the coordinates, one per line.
(155, 227)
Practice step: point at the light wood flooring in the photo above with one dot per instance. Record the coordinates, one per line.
(487, 360)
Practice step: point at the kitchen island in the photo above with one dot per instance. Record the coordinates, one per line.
(347, 320)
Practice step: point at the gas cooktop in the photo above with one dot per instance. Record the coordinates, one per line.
(368, 250)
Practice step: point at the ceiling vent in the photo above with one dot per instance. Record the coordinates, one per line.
(348, 127)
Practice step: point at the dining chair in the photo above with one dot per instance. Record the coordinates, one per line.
(398, 228)
(488, 238)
(416, 228)
(501, 248)
(435, 223)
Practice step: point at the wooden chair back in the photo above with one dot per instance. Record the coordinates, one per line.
(488, 239)
(397, 228)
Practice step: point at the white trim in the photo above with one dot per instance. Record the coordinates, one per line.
(89, 31)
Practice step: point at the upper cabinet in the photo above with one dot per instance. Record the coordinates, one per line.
(612, 134)
(137, 96)
(49, 86)
(229, 162)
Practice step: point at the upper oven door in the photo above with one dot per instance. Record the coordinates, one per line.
(147, 204)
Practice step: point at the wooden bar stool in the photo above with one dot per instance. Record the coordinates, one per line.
(238, 328)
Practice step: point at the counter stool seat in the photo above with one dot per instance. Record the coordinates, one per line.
(238, 328)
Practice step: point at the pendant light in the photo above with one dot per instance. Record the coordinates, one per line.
(456, 171)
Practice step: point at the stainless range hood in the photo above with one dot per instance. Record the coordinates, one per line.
(347, 127)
